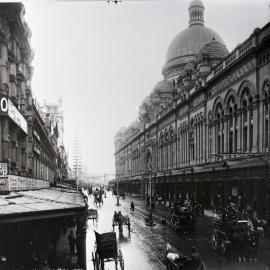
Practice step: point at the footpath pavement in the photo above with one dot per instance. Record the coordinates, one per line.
(159, 211)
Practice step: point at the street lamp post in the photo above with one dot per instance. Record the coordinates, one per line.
(150, 184)
(117, 187)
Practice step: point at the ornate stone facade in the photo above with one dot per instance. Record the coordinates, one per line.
(212, 133)
(28, 145)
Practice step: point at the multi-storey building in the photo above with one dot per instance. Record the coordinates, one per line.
(31, 210)
(204, 129)
(26, 145)
(53, 115)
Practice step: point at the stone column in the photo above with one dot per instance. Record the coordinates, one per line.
(248, 130)
(187, 146)
(198, 142)
(221, 128)
(184, 147)
(195, 136)
(240, 130)
(226, 133)
(214, 136)
(203, 142)
(14, 150)
(233, 133)
(255, 143)
(206, 138)
(1, 151)
(5, 140)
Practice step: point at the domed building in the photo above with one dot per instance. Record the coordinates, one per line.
(186, 46)
(200, 123)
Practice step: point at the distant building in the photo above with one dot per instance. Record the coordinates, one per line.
(77, 156)
(204, 129)
(54, 113)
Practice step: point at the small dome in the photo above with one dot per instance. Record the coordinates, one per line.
(135, 125)
(120, 132)
(147, 101)
(196, 3)
(164, 87)
(214, 50)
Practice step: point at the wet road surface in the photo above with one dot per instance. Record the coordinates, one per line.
(144, 247)
(137, 247)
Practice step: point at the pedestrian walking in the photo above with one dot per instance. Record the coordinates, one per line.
(72, 241)
(78, 247)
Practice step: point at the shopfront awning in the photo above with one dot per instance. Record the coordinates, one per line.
(216, 166)
(39, 204)
(246, 163)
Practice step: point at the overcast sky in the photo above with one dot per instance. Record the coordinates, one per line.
(103, 59)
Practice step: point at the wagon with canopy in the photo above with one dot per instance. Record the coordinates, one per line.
(106, 250)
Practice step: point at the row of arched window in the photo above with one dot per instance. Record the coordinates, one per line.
(231, 127)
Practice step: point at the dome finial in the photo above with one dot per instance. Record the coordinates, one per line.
(196, 13)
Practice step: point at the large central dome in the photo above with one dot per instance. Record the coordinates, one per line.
(188, 43)
(191, 40)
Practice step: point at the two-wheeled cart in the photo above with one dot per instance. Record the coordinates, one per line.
(93, 214)
(120, 220)
(106, 251)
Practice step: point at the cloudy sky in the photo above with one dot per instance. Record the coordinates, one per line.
(103, 59)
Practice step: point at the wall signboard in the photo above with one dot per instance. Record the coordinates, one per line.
(15, 182)
(3, 174)
(8, 108)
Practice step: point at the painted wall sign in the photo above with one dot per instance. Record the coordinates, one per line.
(15, 182)
(16, 116)
(8, 108)
(3, 174)
(239, 73)
(3, 105)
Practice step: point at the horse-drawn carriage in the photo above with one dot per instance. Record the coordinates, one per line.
(120, 220)
(98, 200)
(106, 251)
(93, 214)
(236, 235)
(183, 219)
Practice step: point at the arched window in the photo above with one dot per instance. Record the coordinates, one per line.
(219, 114)
(247, 119)
(232, 131)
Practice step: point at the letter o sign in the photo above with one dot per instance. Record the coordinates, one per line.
(3, 104)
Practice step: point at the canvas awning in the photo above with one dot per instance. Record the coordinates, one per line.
(217, 166)
(39, 204)
(246, 163)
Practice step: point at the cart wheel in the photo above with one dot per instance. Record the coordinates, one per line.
(94, 261)
(223, 247)
(122, 265)
(102, 264)
(97, 261)
(214, 241)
